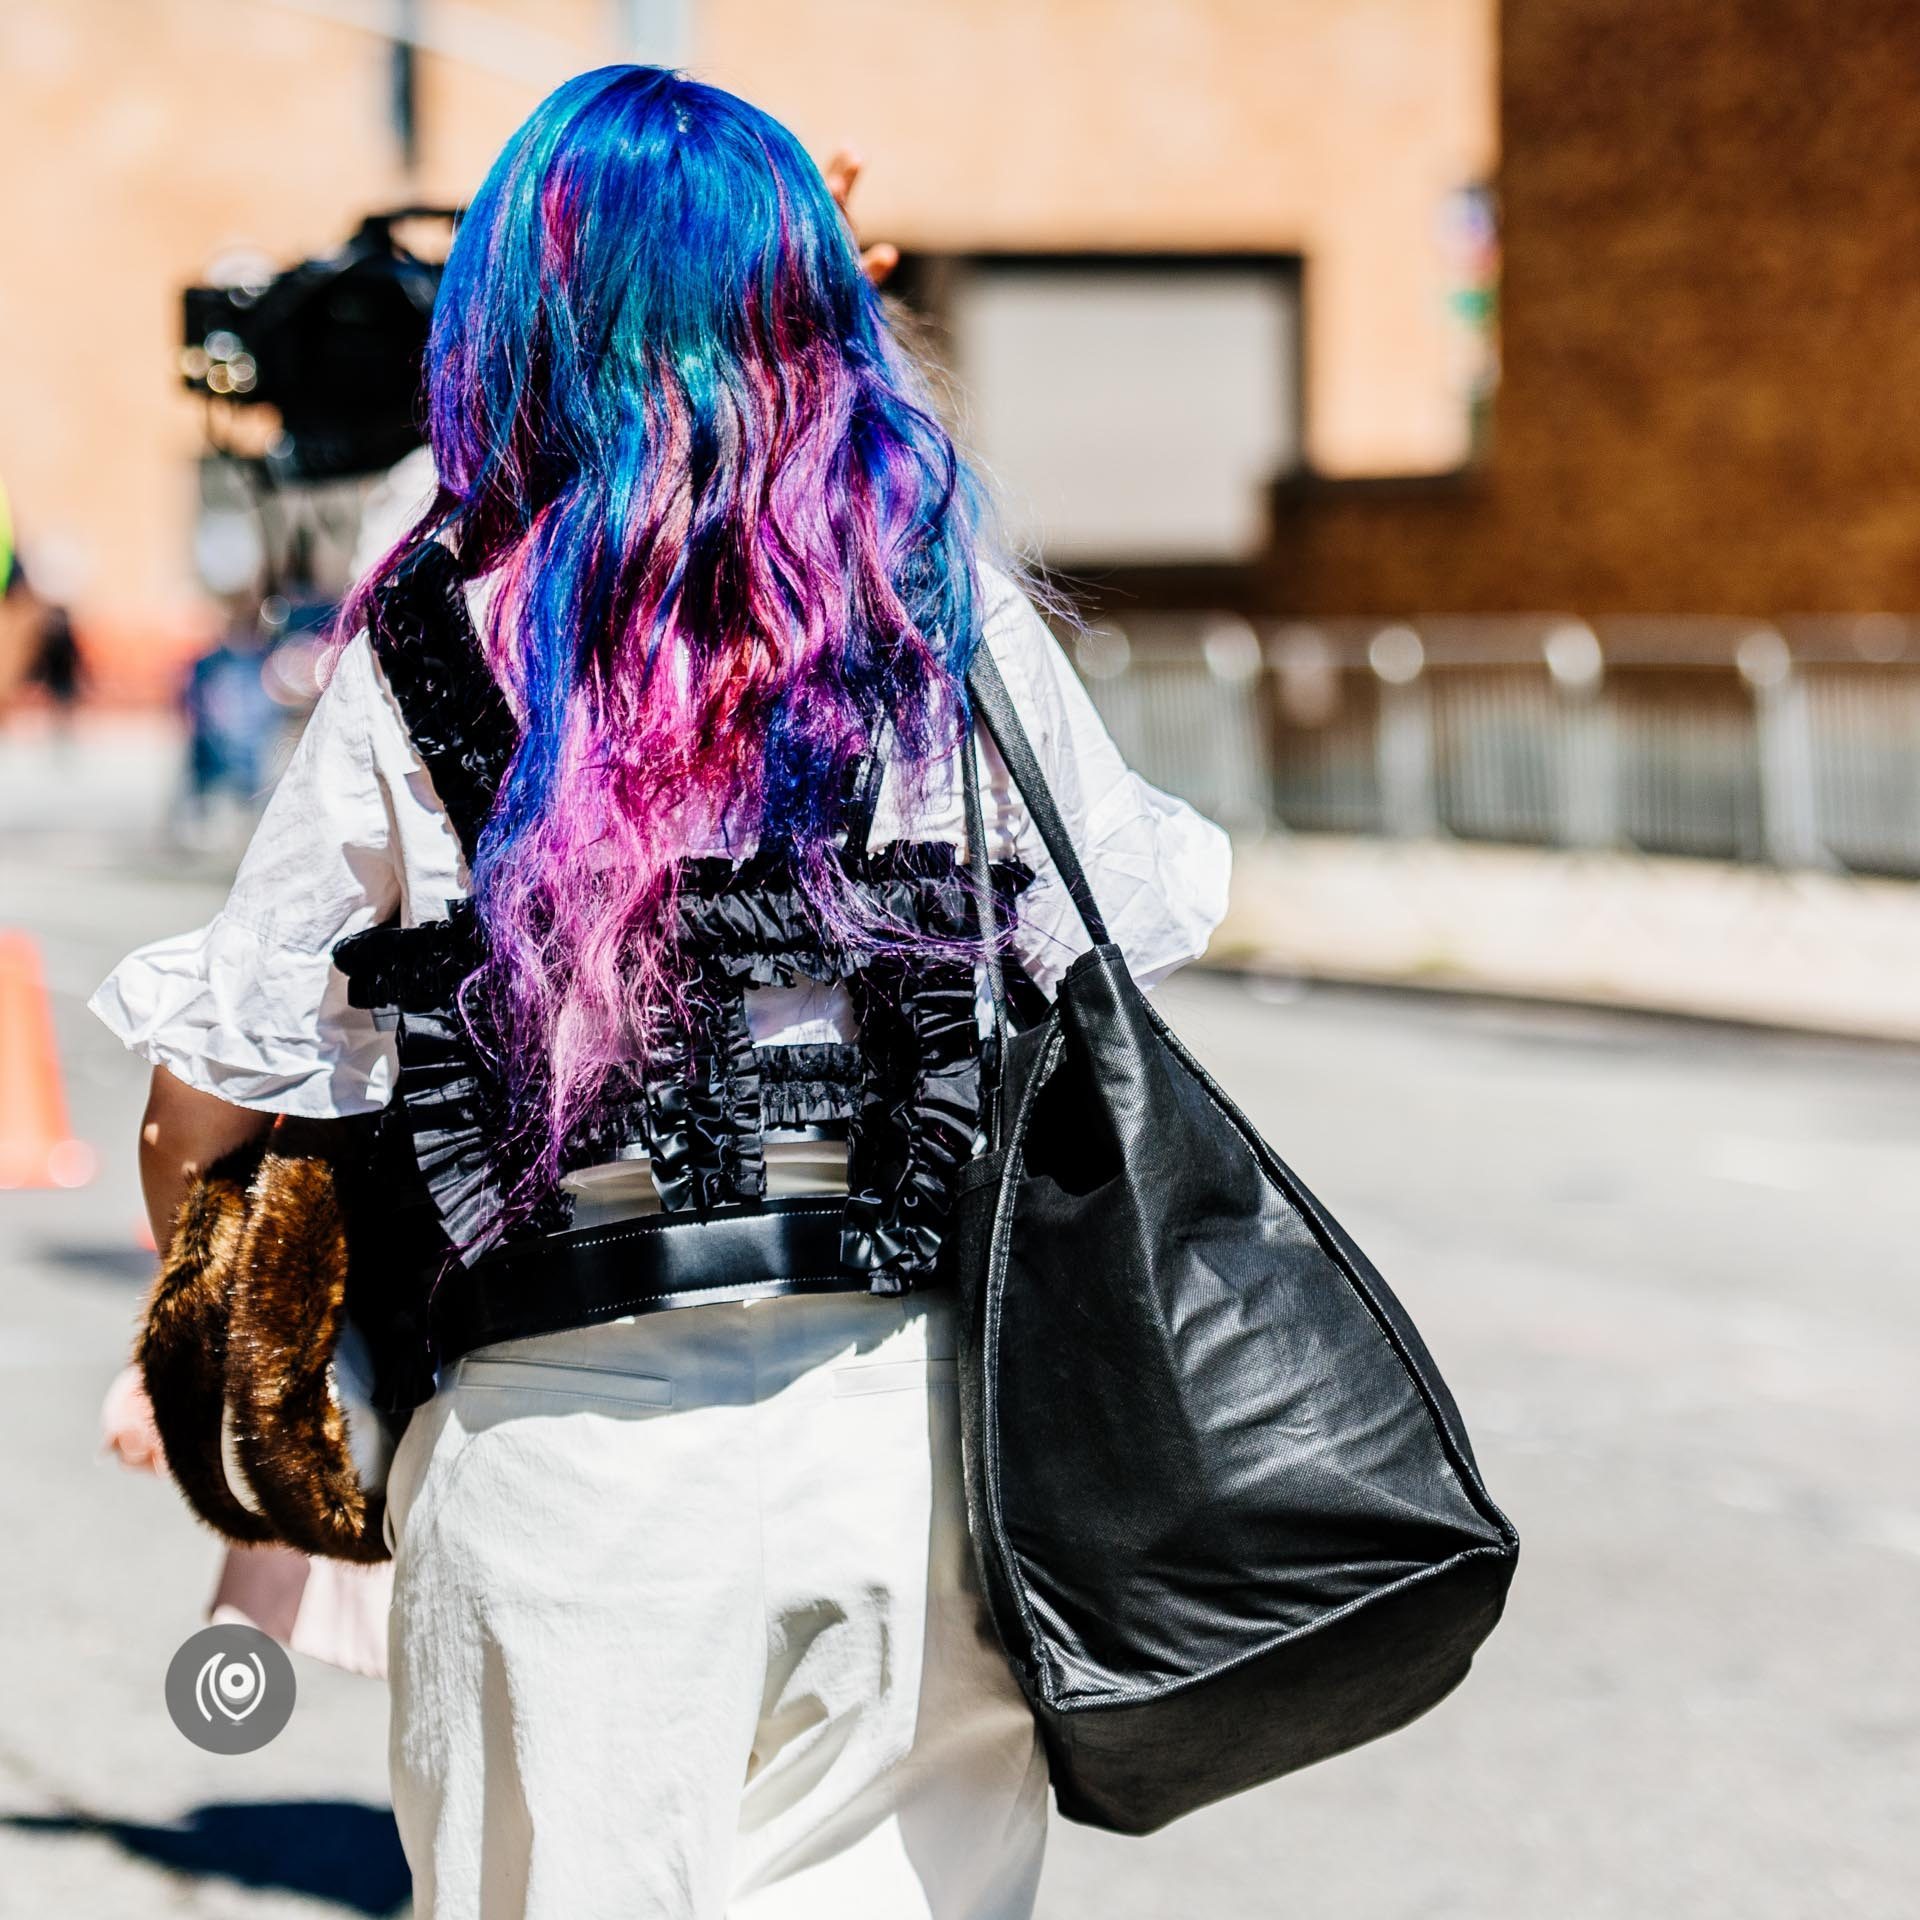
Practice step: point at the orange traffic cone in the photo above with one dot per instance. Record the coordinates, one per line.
(36, 1149)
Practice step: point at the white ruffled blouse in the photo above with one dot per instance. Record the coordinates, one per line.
(251, 1008)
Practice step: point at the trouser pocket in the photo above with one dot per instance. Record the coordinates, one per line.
(569, 1380)
(891, 1376)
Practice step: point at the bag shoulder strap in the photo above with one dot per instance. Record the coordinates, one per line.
(863, 802)
(994, 705)
(992, 937)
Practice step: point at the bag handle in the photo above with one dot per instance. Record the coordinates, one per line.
(994, 706)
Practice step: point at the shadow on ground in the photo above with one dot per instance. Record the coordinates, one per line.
(339, 1851)
(116, 1265)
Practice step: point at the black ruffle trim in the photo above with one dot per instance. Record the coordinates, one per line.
(750, 921)
(459, 719)
(448, 1109)
(456, 1120)
(705, 1098)
(919, 1114)
(809, 1084)
(411, 969)
(702, 1129)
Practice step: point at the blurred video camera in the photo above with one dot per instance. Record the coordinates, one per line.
(336, 344)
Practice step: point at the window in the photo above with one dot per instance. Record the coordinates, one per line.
(1130, 409)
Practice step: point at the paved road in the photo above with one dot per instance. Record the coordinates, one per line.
(1670, 1271)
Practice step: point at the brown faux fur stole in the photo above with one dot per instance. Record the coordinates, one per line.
(287, 1314)
(182, 1349)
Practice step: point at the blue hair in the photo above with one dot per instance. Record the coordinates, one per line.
(733, 545)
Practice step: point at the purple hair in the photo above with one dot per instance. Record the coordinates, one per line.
(732, 545)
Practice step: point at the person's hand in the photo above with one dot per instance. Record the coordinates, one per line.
(842, 171)
(126, 1425)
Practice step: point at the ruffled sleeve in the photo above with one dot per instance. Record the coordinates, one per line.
(250, 1007)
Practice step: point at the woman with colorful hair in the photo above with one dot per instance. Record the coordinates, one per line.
(624, 871)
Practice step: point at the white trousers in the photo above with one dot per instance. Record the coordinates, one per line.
(686, 1627)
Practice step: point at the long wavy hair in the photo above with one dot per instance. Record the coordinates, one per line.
(730, 544)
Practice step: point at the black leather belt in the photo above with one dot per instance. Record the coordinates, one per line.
(579, 1279)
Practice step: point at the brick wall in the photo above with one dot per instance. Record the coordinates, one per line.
(1711, 321)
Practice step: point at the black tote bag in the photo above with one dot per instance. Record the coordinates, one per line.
(1227, 1517)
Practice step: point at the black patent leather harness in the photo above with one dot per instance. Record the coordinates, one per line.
(908, 1096)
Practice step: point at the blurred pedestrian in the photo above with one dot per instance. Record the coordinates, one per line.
(232, 721)
(58, 667)
(19, 611)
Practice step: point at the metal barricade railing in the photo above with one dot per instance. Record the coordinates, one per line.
(1865, 728)
(1499, 754)
(1181, 699)
(1796, 743)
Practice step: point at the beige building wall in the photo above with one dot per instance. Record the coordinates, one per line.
(1335, 128)
(141, 138)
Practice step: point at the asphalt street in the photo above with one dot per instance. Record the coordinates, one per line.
(1670, 1271)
